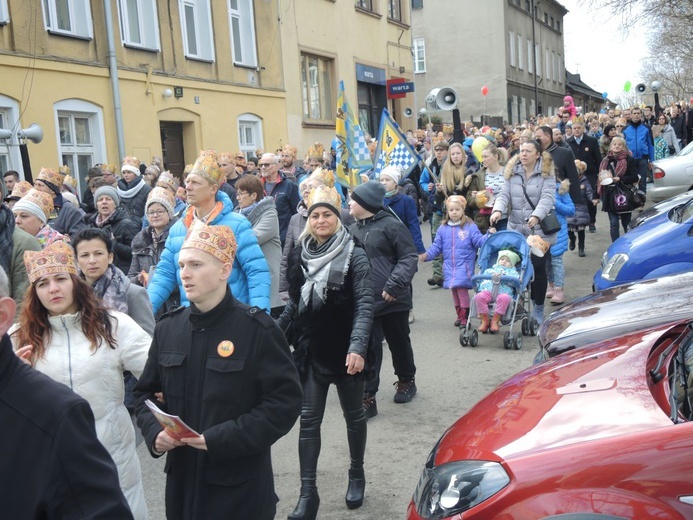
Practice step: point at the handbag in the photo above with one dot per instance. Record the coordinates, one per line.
(621, 199)
(549, 224)
(638, 197)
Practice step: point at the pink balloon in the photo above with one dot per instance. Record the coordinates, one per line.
(484, 90)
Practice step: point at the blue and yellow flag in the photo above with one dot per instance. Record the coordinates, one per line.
(393, 148)
(353, 156)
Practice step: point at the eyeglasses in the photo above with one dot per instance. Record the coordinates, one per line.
(156, 213)
(264, 165)
(240, 193)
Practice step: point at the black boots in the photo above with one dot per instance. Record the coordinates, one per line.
(308, 504)
(356, 489)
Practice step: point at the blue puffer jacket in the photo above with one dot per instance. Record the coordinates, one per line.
(250, 279)
(405, 209)
(458, 245)
(564, 208)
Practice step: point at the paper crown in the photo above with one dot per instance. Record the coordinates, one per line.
(131, 164)
(448, 129)
(70, 181)
(207, 167)
(55, 258)
(316, 151)
(188, 169)
(218, 241)
(459, 199)
(108, 168)
(324, 175)
(167, 180)
(37, 203)
(579, 119)
(64, 169)
(324, 196)
(162, 196)
(226, 157)
(291, 150)
(20, 189)
(51, 176)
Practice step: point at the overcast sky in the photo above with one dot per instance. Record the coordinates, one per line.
(594, 47)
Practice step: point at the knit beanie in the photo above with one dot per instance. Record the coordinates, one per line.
(369, 196)
(510, 255)
(393, 172)
(162, 196)
(108, 191)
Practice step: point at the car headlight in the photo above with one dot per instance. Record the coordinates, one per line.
(457, 486)
(613, 266)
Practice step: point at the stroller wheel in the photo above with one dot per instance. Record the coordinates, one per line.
(517, 342)
(464, 338)
(525, 326)
(507, 340)
(533, 327)
(474, 338)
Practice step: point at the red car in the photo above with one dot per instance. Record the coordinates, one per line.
(589, 434)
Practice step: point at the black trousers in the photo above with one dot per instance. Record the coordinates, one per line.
(350, 392)
(394, 327)
(591, 208)
(538, 286)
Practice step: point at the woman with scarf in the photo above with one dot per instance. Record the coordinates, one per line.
(31, 213)
(65, 218)
(148, 244)
(622, 166)
(329, 312)
(70, 336)
(133, 189)
(115, 220)
(605, 140)
(262, 214)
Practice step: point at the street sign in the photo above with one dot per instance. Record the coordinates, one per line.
(399, 90)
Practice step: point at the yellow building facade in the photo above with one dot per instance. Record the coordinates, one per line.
(191, 75)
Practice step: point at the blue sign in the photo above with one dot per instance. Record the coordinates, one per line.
(370, 74)
(401, 88)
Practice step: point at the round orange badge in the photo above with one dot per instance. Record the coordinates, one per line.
(225, 348)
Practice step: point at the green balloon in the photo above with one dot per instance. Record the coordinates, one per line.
(627, 86)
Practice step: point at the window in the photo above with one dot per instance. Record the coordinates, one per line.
(515, 110)
(242, 26)
(552, 21)
(530, 58)
(512, 49)
(196, 23)
(394, 10)
(520, 55)
(249, 134)
(365, 4)
(537, 58)
(561, 74)
(4, 13)
(527, 8)
(554, 69)
(316, 85)
(139, 25)
(548, 64)
(81, 141)
(417, 4)
(523, 110)
(546, 18)
(9, 155)
(68, 17)
(419, 56)
(532, 108)
(558, 25)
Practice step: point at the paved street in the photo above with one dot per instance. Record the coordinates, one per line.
(450, 379)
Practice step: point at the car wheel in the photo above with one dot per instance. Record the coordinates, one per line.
(474, 338)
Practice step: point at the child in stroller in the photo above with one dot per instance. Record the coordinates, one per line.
(504, 267)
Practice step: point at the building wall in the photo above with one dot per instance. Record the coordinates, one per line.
(345, 37)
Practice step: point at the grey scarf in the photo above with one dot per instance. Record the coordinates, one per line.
(325, 266)
(112, 289)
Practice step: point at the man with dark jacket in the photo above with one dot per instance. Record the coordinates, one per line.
(225, 369)
(678, 123)
(586, 149)
(392, 254)
(282, 190)
(563, 160)
(53, 466)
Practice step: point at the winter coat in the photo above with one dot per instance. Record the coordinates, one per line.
(476, 182)
(18, 277)
(564, 208)
(322, 338)
(678, 123)
(670, 137)
(426, 178)
(458, 245)
(604, 145)
(286, 198)
(242, 403)
(541, 190)
(133, 196)
(265, 222)
(250, 279)
(405, 209)
(582, 216)
(564, 168)
(588, 152)
(123, 229)
(630, 177)
(53, 464)
(487, 285)
(639, 141)
(97, 376)
(66, 219)
(392, 255)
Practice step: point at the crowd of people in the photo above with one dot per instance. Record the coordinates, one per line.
(235, 295)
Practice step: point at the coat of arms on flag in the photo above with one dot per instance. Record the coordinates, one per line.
(393, 148)
(353, 156)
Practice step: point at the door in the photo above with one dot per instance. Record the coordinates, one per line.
(172, 147)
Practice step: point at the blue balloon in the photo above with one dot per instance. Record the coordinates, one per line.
(605, 95)
(335, 143)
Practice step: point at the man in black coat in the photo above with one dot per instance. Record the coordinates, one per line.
(586, 149)
(392, 254)
(53, 466)
(225, 369)
(678, 123)
(563, 160)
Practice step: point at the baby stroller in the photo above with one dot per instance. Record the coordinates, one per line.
(488, 256)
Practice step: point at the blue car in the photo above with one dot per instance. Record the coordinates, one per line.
(658, 247)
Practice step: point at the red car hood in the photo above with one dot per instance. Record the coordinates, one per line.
(583, 395)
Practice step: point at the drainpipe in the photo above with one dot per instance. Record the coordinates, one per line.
(113, 69)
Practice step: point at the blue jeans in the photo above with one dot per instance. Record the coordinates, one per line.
(614, 219)
(555, 270)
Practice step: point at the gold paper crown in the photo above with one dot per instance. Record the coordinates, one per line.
(316, 151)
(324, 175)
(20, 189)
(579, 119)
(55, 258)
(41, 200)
(291, 150)
(218, 241)
(167, 180)
(207, 167)
(64, 169)
(325, 196)
(447, 129)
(131, 164)
(70, 181)
(50, 175)
(108, 168)
(226, 157)
(188, 169)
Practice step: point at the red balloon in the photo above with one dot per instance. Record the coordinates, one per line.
(484, 90)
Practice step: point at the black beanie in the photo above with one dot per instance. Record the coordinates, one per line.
(369, 195)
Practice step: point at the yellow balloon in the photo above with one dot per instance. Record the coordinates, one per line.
(478, 146)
